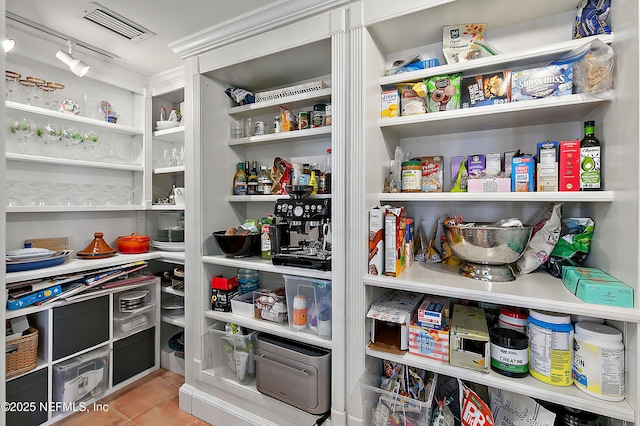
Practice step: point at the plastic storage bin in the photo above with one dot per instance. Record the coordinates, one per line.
(126, 324)
(79, 326)
(82, 378)
(315, 295)
(233, 355)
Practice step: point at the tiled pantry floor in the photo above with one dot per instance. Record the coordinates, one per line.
(151, 401)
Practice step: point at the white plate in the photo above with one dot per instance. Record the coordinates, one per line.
(167, 246)
(29, 253)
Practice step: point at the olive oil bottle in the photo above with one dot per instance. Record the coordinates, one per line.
(590, 160)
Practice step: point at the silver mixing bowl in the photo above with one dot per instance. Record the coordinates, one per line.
(487, 250)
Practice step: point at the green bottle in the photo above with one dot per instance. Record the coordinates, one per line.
(590, 160)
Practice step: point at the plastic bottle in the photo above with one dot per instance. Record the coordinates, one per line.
(327, 173)
(590, 159)
(313, 182)
(248, 280)
(262, 177)
(265, 238)
(550, 347)
(240, 180)
(299, 321)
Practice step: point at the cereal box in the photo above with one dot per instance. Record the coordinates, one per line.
(395, 228)
(490, 89)
(443, 92)
(522, 170)
(390, 103)
(536, 83)
(431, 173)
(569, 165)
(376, 240)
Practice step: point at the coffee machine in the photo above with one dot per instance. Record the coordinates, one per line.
(302, 233)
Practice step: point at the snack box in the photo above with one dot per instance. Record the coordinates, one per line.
(547, 167)
(490, 89)
(395, 228)
(594, 286)
(429, 342)
(376, 240)
(489, 185)
(506, 166)
(443, 92)
(432, 173)
(391, 316)
(469, 343)
(476, 164)
(433, 312)
(569, 166)
(390, 103)
(522, 171)
(536, 83)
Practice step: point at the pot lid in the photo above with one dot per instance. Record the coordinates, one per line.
(29, 252)
(97, 246)
(134, 237)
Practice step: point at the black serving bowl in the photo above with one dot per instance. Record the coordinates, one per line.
(238, 245)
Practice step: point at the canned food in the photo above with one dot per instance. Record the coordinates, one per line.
(317, 120)
(260, 128)
(303, 120)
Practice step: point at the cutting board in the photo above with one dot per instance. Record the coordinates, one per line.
(57, 244)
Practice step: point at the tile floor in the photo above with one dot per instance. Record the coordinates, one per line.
(151, 401)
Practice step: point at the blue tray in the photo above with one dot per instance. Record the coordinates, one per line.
(28, 265)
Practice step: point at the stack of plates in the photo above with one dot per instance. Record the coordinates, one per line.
(29, 258)
(171, 235)
(165, 246)
(161, 125)
(133, 300)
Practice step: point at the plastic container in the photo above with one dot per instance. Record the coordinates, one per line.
(513, 318)
(233, 355)
(509, 352)
(598, 361)
(82, 378)
(317, 295)
(248, 280)
(299, 318)
(550, 344)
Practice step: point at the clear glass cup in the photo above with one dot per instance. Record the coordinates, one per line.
(63, 191)
(12, 199)
(87, 190)
(91, 140)
(13, 84)
(38, 194)
(56, 94)
(27, 90)
(50, 134)
(24, 129)
(76, 137)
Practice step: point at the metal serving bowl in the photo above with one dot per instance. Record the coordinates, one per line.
(487, 250)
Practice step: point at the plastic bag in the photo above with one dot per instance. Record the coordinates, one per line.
(593, 74)
(591, 18)
(546, 231)
(464, 42)
(394, 181)
(573, 247)
(240, 96)
(518, 410)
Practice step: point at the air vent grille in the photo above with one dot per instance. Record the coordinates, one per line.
(115, 23)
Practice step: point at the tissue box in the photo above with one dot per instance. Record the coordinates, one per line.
(469, 345)
(391, 317)
(429, 343)
(594, 286)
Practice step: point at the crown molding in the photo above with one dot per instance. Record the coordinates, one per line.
(167, 81)
(248, 25)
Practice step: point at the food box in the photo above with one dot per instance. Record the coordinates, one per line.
(395, 228)
(490, 89)
(431, 173)
(412, 100)
(493, 164)
(390, 106)
(443, 92)
(569, 166)
(594, 286)
(547, 167)
(391, 317)
(536, 83)
(489, 185)
(222, 283)
(429, 342)
(270, 305)
(433, 312)
(469, 344)
(376, 240)
(522, 170)
(476, 164)
(221, 299)
(507, 160)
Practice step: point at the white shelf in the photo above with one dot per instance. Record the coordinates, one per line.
(73, 163)
(537, 290)
(290, 102)
(282, 330)
(265, 198)
(295, 135)
(567, 196)
(265, 266)
(177, 320)
(168, 170)
(161, 207)
(570, 396)
(14, 107)
(171, 256)
(172, 135)
(554, 109)
(57, 209)
(522, 58)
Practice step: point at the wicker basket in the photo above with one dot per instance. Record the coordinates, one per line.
(22, 354)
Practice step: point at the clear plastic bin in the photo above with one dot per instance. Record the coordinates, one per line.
(126, 324)
(82, 378)
(233, 355)
(317, 296)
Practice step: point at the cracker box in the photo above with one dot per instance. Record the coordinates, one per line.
(522, 171)
(594, 286)
(390, 103)
(376, 240)
(395, 228)
(547, 167)
(443, 92)
(490, 89)
(391, 316)
(469, 344)
(429, 342)
(569, 166)
(433, 312)
(536, 83)
(431, 173)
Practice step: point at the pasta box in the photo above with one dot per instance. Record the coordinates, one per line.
(594, 286)
(395, 229)
(537, 83)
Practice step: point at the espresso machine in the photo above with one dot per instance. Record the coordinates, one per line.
(301, 235)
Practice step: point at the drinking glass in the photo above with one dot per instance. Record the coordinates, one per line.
(24, 129)
(50, 134)
(92, 140)
(28, 89)
(13, 84)
(36, 90)
(111, 200)
(12, 200)
(55, 93)
(38, 193)
(75, 138)
(87, 190)
(62, 189)
(180, 156)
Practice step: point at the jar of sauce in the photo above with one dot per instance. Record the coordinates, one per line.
(411, 176)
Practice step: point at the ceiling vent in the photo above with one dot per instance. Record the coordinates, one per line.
(115, 23)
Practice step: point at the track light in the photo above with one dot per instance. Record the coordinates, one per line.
(8, 44)
(76, 66)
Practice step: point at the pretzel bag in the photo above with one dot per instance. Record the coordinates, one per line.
(593, 74)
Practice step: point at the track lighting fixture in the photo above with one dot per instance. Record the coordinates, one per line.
(8, 44)
(76, 66)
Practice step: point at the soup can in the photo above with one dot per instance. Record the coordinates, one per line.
(259, 128)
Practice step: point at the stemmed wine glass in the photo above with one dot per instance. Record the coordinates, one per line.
(38, 196)
(87, 189)
(13, 83)
(75, 137)
(62, 189)
(50, 134)
(28, 89)
(24, 128)
(92, 139)
(111, 200)
(12, 201)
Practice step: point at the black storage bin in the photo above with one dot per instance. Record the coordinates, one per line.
(79, 326)
(28, 389)
(133, 355)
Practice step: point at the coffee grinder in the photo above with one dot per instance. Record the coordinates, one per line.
(302, 233)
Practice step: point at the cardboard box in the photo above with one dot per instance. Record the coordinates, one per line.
(522, 174)
(222, 283)
(547, 167)
(490, 89)
(476, 164)
(536, 83)
(390, 103)
(395, 228)
(391, 316)
(469, 344)
(376, 240)
(594, 286)
(493, 164)
(433, 312)
(429, 342)
(489, 185)
(431, 173)
(569, 166)
(409, 248)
